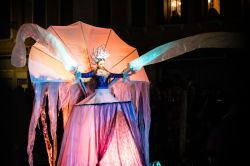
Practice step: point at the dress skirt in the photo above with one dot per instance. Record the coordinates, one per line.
(102, 131)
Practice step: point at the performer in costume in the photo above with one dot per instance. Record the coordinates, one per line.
(102, 130)
(51, 60)
(54, 55)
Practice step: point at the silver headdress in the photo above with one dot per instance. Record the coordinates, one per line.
(99, 53)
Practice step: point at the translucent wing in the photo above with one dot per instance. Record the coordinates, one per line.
(184, 45)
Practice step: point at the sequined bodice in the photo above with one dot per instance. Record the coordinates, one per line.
(102, 81)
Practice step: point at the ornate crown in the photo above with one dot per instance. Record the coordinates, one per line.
(100, 53)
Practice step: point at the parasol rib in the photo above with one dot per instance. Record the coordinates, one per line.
(108, 38)
(47, 53)
(123, 59)
(85, 42)
(60, 38)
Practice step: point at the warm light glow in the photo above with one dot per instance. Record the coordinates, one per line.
(165, 9)
(214, 4)
(173, 4)
(170, 7)
(176, 6)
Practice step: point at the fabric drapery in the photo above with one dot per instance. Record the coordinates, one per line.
(59, 50)
(102, 134)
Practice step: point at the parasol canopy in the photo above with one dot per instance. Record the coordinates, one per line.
(79, 40)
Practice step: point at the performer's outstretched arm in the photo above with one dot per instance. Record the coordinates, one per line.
(84, 75)
(116, 75)
(126, 72)
(80, 75)
(87, 75)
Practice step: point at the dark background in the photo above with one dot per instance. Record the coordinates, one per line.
(212, 130)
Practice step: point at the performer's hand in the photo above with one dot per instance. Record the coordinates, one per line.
(78, 75)
(125, 74)
(73, 70)
(132, 70)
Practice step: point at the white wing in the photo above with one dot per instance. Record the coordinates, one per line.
(184, 45)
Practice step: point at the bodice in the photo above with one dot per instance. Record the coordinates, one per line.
(102, 82)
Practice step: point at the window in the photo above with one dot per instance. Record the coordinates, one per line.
(172, 9)
(175, 7)
(214, 4)
(21, 82)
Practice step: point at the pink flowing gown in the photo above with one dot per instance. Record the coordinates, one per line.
(102, 131)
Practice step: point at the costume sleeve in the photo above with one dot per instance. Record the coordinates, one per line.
(87, 75)
(114, 75)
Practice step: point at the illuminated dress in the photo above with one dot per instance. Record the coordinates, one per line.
(102, 130)
(58, 51)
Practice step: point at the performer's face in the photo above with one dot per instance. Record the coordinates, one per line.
(101, 64)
